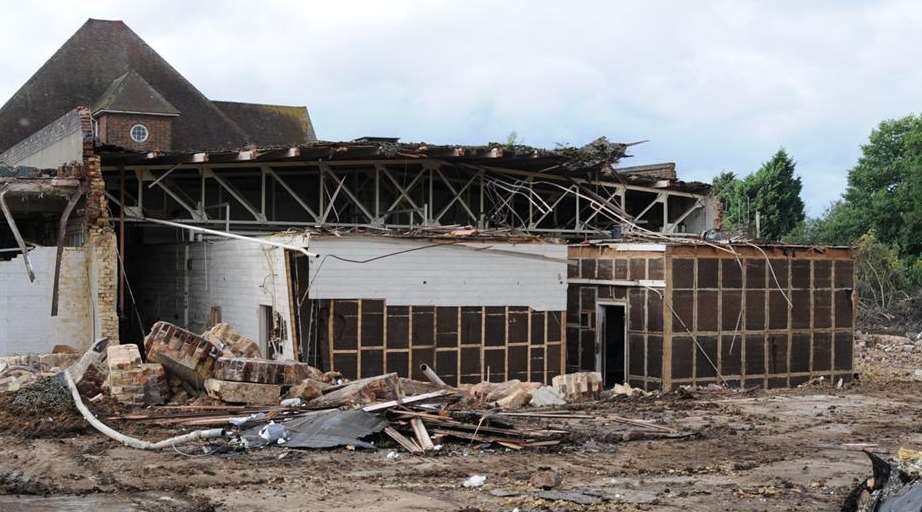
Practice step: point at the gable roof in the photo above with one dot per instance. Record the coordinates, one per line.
(270, 125)
(83, 70)
(131, 93)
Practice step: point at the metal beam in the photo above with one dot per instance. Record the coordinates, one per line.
(235, 194)
(292, 193)
(62, 231)
(22, 244)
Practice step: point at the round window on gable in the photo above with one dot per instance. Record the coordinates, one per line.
(139, 133)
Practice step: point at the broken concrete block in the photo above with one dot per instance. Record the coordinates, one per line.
(243, 392)
(545, 478)
(264, 371)
(518, 398)
(307, 390)
(360, 392)
(123, 357)
(64, 349)
(189, 357)
(232, 342)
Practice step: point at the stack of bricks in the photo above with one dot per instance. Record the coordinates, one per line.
(133, 382)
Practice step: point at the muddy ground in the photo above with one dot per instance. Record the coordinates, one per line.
(780, 450)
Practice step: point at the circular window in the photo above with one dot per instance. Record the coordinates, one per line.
(139, 133)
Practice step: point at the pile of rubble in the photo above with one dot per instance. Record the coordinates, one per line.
(888, 357)
(895, 484)
(220, 381)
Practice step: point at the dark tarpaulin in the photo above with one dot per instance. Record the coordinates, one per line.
(326, 429)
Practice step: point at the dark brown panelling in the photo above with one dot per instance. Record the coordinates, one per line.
(620, 268)
(638, 269)
(573, 269)
(777, 310)
(655, 269)
(731, 354)
(537, 364)
(517, 325)
(587, 268)
(822, 352)
(323, 334)
(618, 292)
(573, 303)
(636, 355)
(553, 361)
(843, 308)
(777, 382)
(605, 270)
(446, 328)
(423, 334)
(518, 362)
(800, 313)
(822, 274)
(708, 272)
(704, 366)
(755, 354)
(372, 323)
(844, 274)
(587, 350)
(537, 327)
(495, 326)
(780, 268)
(683, 273)
(683, 304)
(372, 362)
(422, 356)
(843, 353)
(654, 312)
(682, 357)
(800, 353)
(731, 302)
(587, 298)
(398, 327)
(345, 325)
(797, 381)
(494, 361)
(636, 320)
(470, 365)
(446, 365)
(800, 274)
(755, 310)
(398, 362)
(603, 292)
(822, 309)
(572, 348)
(346, 364)
(707, 311)
(471, 325)
(755, 273)
(778, 353)
(731, 275)
(553, 325)
(654, 356)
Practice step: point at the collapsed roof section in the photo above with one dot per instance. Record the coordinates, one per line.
(377, 183)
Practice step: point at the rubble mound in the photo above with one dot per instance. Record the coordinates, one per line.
(888, 358)
(41, 409)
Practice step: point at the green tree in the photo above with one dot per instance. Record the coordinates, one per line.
(774, 192)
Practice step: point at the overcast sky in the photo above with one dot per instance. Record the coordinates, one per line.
(712, 85)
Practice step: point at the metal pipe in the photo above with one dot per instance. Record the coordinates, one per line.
(197, 229)
(431, 375)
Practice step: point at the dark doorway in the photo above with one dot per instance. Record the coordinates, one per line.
(612, 336)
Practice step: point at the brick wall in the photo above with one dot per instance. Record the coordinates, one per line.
(115, 129)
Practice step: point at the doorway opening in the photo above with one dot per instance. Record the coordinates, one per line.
(612, 356)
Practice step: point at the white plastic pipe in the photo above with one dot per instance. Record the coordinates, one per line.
(131, 441)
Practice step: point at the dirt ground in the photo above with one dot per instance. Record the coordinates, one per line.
(788, 450)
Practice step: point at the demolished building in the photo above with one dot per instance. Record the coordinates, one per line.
(373, 256)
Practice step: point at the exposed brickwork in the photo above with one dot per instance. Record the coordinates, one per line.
(262, 371)
(132, 382)
(243, 392)
(116, 129)
(231, 341)
(185, 355)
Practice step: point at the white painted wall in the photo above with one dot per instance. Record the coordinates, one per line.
(469, 274)
(26, 324)
(180, 282)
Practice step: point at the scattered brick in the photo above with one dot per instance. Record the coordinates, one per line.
(243, 392)
(187, 356)
(263, 371)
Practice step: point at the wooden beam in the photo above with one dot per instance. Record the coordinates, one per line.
(422, 435)
(62, 230)
(22, 244)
